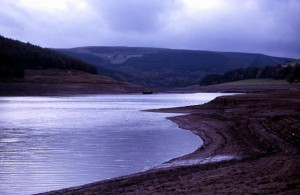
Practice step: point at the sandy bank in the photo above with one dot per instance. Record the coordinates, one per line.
(257, 134)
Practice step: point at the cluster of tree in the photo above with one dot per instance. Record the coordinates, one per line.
(15, 56)
(289, 72)
(8, 68)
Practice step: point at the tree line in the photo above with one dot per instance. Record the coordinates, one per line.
(15, 56)
(289, 72)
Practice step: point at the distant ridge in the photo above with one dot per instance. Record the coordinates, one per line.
(160, 67)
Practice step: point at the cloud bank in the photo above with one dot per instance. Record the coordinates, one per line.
(257, 26)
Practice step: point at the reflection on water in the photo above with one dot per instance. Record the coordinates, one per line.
(48, 143)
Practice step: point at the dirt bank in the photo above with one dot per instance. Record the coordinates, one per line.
(56, 82)
(256, 135)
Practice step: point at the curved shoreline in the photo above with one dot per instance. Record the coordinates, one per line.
(259, 129)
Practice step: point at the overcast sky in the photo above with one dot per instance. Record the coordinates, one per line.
(260, 26)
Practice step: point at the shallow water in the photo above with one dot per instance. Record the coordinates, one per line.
(49, 143)
(190, 162)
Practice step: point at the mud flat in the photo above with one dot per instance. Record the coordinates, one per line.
(251, 146)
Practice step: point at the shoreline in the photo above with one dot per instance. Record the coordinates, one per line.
(37, 86)
(263, 157)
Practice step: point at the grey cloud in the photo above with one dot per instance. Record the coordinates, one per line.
(269, 26)
(134, 16)
(11, 18)
(272, 30)
(8, 22)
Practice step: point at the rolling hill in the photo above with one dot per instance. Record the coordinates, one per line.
(160, 67)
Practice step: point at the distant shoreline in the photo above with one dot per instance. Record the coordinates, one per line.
(57, 88)
(56, 82)
(263, 157)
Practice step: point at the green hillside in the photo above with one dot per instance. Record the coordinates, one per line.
(167, 67)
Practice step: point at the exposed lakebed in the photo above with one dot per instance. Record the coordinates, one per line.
(48, 143)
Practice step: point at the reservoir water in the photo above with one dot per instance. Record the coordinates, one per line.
(49, 143)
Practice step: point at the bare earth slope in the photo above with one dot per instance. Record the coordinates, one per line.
(256, 135)
(63, 82)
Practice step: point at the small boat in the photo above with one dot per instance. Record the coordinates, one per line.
(147, 92)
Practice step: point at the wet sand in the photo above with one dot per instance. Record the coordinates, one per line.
(256, 137)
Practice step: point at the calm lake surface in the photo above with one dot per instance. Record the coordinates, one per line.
(49, 143)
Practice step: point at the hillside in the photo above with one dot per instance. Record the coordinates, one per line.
(167, 67)
(16, 56)
(26, 69)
